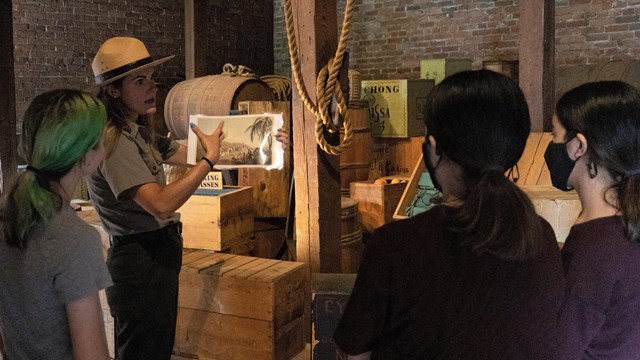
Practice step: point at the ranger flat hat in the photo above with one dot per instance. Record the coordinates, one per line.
(119, 57)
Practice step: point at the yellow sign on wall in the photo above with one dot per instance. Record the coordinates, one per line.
(438, 69)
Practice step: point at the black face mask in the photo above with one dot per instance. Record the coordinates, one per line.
(430, 169)
(560, 164)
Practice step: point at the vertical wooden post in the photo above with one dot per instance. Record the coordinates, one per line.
(537, 60)
(316, 174)
(195, 38)
(8, 146)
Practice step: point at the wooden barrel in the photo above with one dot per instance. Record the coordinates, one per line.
(568, 78)
(356, 160)
(505, 67)
(210, 95)
(351, 235)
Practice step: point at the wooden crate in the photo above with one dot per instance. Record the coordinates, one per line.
(438, 69)
(218, 222)
(396, 106)
(394, 156)
(559, 208)
(270, 187)
(377, 203)
(269, 237)
(242, 247)
(241, 307)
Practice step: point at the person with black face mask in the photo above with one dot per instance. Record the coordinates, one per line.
(596, 151)
(478, 275)
(559, 163)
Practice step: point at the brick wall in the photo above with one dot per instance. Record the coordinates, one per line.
(390, 37)
(55, 40)
(241, 33)
(589, 32)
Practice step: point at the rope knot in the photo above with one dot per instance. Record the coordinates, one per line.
(239, 70)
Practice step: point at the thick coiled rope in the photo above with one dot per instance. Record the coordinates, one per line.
(280, 86)
(325, 83)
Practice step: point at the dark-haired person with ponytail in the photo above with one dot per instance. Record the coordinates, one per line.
(596, 151)
(477, 276)
(51, 262)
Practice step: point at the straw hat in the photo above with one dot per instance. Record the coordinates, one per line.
(119, 57)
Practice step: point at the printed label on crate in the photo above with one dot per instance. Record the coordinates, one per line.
(327, 311)
(211, 185)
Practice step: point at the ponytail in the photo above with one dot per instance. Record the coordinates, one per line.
(629, 205)
(29, 202)
(498, 218)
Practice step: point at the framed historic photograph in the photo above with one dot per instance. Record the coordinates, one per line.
(249, 140)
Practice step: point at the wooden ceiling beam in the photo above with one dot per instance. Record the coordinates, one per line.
(8, 138)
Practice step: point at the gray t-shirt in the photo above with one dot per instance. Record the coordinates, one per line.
(63, 262)
(131, 164)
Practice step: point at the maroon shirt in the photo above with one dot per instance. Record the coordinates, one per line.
(418, 295)
(601, 316)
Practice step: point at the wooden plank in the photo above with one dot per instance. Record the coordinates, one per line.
(549, 193)
(229, 265)
(526, 160)
(8, 139)
(536, 64)
(269, 286)
(204, 263)
(270, 187)
(195, 38)
(316, 173)
(545, 177)
(248, 270)
(231, 296)
(217, 336)
(290, 340)
(538, 160)
(189, 256)
(241, 247)
(410, 190)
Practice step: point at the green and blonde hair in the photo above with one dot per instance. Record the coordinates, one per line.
(59, 128)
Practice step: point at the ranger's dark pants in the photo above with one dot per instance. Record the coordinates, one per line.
(144, 296)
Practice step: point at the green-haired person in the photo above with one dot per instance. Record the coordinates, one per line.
(51, 262)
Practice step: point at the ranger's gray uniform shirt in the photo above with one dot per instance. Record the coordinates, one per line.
(131, 164)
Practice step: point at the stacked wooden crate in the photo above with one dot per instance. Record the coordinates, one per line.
(221, 222)
(241, 307)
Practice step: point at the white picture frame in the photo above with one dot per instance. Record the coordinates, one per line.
(249, 142)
